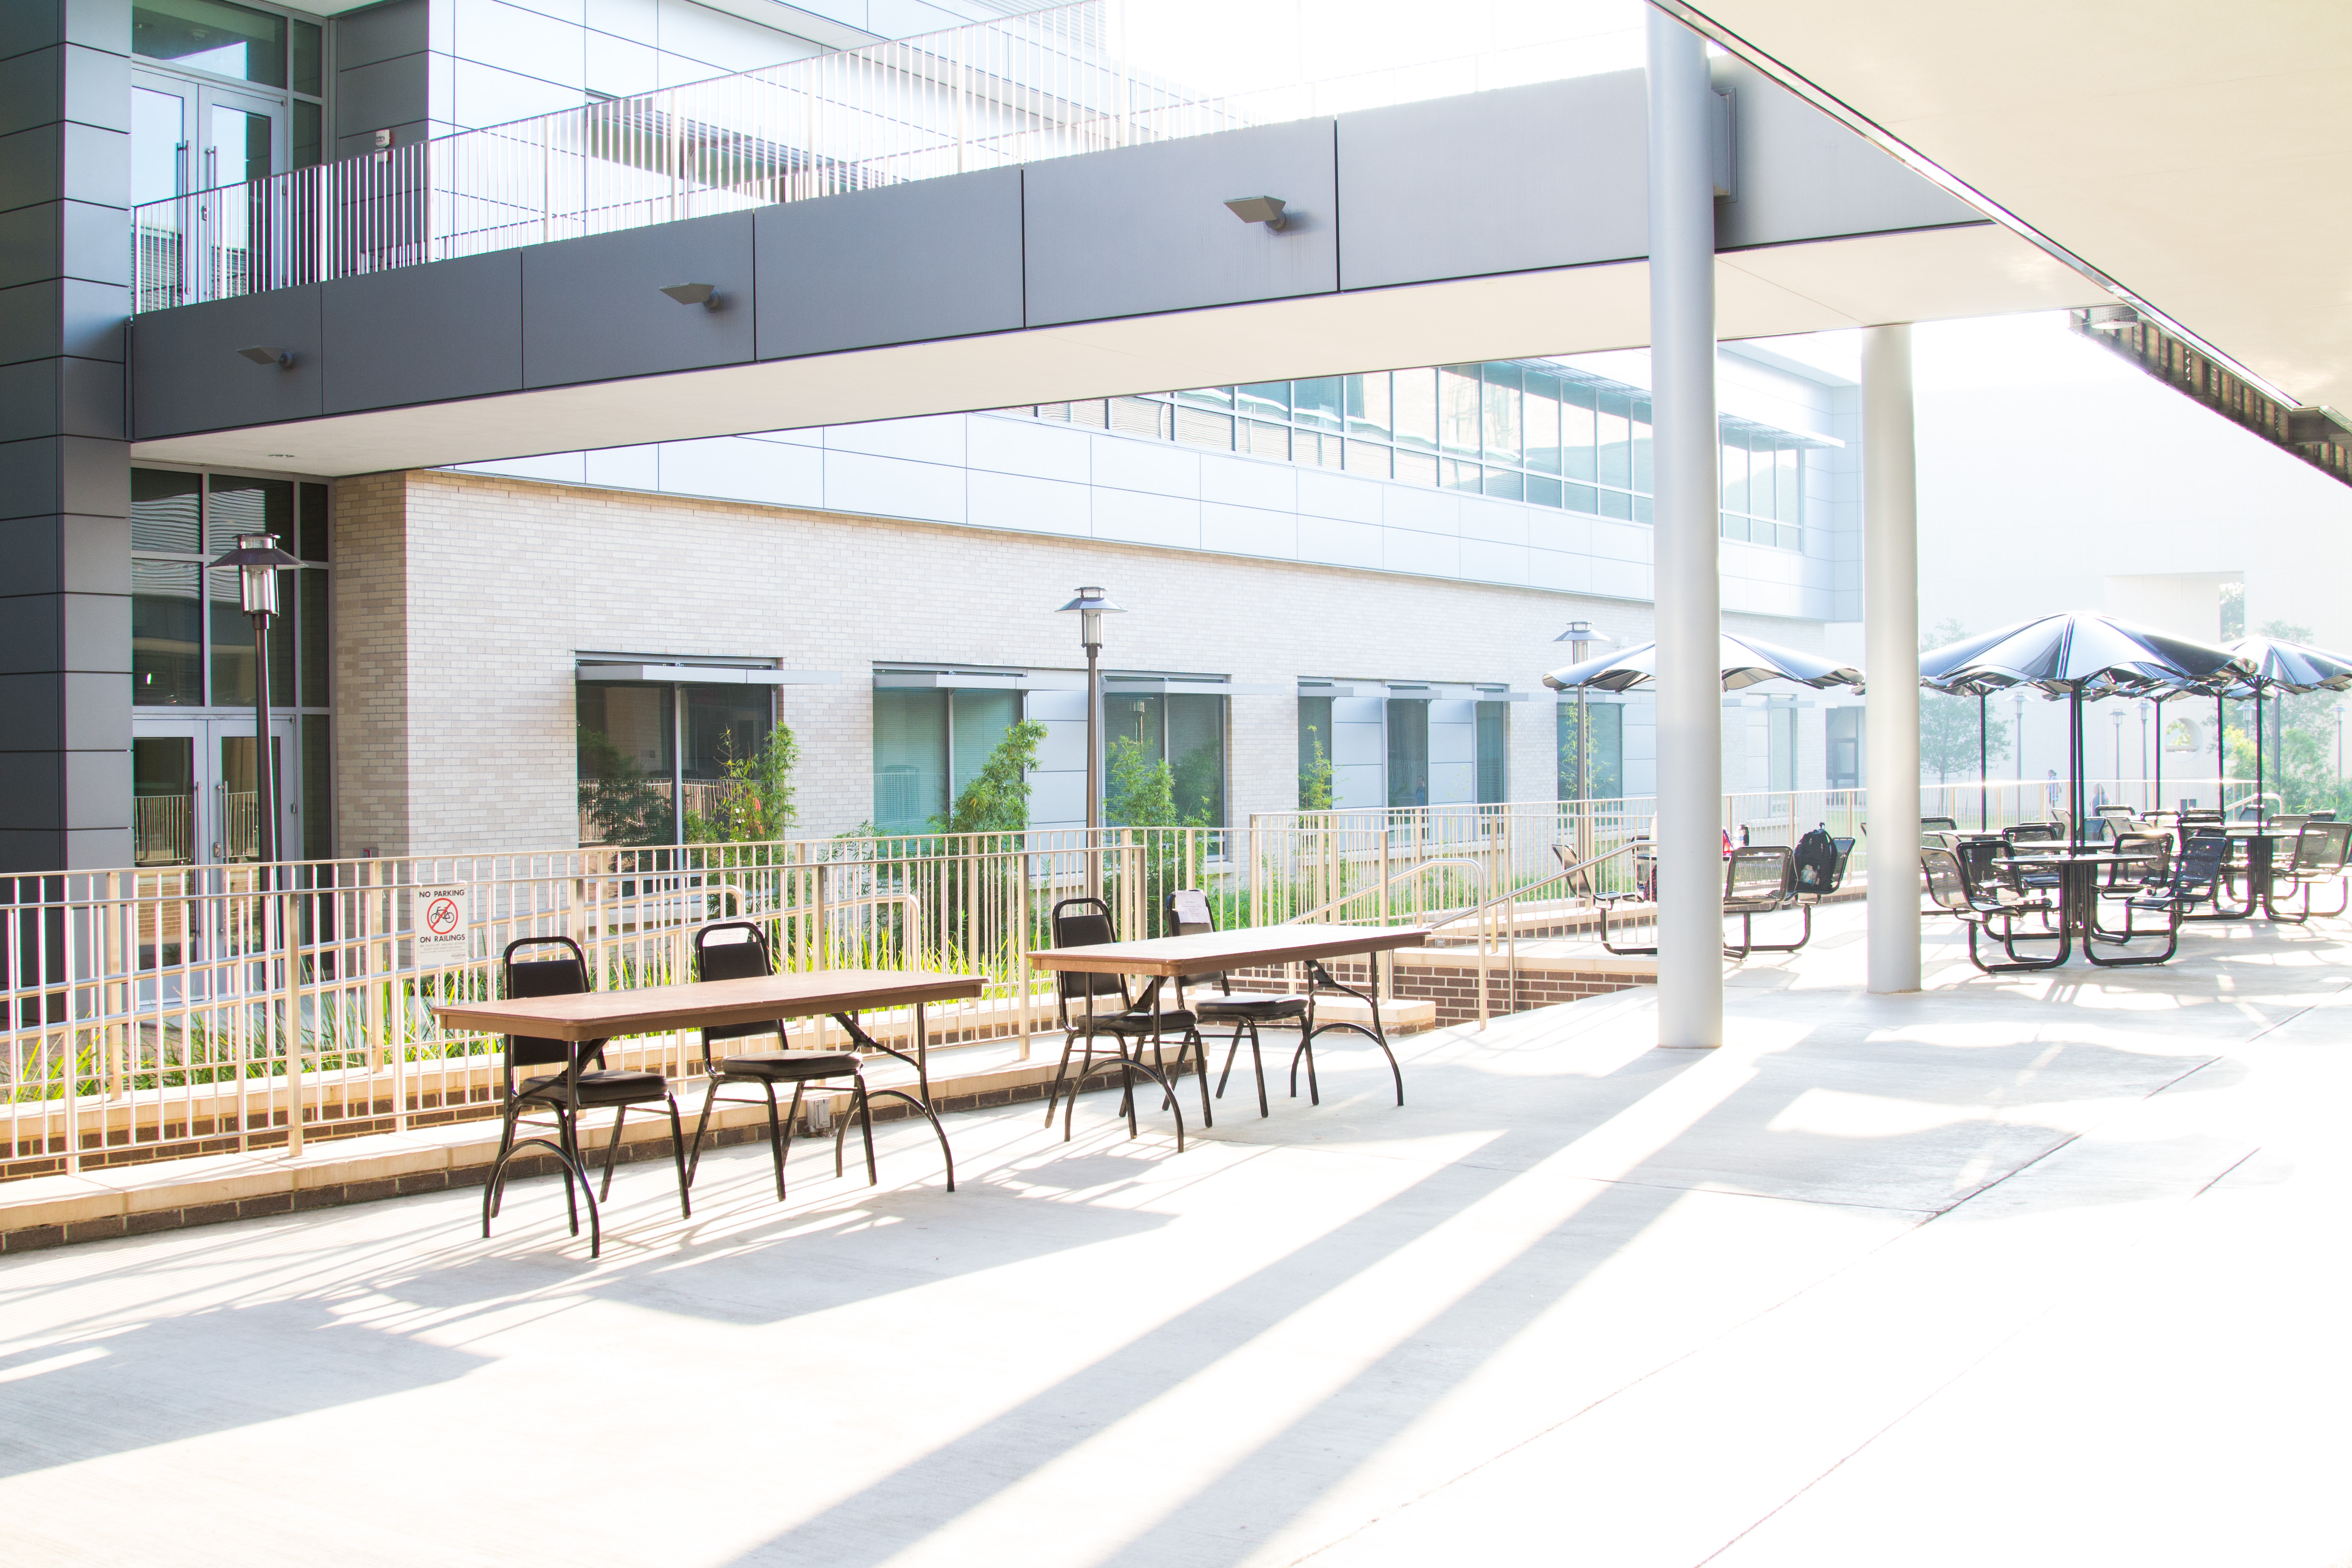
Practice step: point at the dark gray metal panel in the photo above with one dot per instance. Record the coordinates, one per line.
(402, 135)
(28, 243)
(97, 712)
(97, 88)
(380, 33)
(97, 632)
(64, 316)
(385, 93)
(67, 474)
(81, 163)
(94, 243)
(93, 549)
(1801, 175)
(32, 89)
(32, 634)
(67, 397)
(97, 790)
(1140, 229)
(930, 259)
(32, 718)
(32, 166)
(1554, 174)
(423, 334)
(593, 309)
(186, 374)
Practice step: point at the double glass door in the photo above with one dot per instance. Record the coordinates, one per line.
(195, 791)
(185, 138)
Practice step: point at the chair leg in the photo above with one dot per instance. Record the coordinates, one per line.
(677, 1154)
(498, 1166)
(866, 1127)
(1070, 1106)
(1054, 1090)
(776, 1136)
(612, 1152)
(1200, 1064)
(1257, 1067)
(694, 1163)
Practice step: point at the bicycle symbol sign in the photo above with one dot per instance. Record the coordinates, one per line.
(441, 936)
(441, 917)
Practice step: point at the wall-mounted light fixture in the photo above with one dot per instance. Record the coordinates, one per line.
(703, 294)
(1266, 210)
(282, 358)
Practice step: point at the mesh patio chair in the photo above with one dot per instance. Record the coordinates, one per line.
(1760, 881)
(1085, 922)
(2192, 880)
(1189, 915)
(561, 1096)
(2321, 849)
(1950, 887)
(738, 950)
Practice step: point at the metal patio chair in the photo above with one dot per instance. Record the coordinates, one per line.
(1763, 880)
(2192, 880)
(2321, 849)
(1087, 923)
(1950, 887)
(1189, 915)
(560, 1097)
(738, 950)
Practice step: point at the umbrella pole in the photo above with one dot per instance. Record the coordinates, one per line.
(2158, 803)
(2261, 807)
(1984, 766)
(2221, 754)
(2074, 765)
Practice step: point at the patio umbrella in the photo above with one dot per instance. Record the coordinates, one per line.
(2078, 656)
(2275, 666)
(1746, 662)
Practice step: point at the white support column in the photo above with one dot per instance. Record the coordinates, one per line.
(1890, 610)
(1688, 470)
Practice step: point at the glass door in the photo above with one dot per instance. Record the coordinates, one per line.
(166, 796)
(236, 820)
(190, 137)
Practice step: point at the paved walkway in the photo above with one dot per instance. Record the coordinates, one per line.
(2015, 1272)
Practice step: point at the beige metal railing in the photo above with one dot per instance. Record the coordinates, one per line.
(1048, 84)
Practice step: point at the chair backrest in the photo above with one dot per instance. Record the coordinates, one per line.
(561, 974)
(1946, 824)
(731, 950)
(2322, 816)
(1946, 882)
(2123, 811)
(2191, 815)
(2033, 833)
(2199, 867)
(1977, 857)
(2321, 848)
(2289, 824)
(1189, 915)
(1757, 875)
(1085, 922)
(2150, 856)
(1837, 872)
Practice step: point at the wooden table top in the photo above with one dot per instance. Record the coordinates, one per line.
(604, 1014)
(1172, 956)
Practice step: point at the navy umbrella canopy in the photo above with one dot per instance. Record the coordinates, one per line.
(2078, 656)
(2275, 666)
(1745, 661)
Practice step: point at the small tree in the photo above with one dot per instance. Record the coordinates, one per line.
(1315, 776)
(1142, 790)
(758, 805)
(1949, 740)
(620, 800)
(997, 799)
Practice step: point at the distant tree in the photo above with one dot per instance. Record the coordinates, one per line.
(2298, 740)
(1142, 790)
(1315, 775)
(1948, 725)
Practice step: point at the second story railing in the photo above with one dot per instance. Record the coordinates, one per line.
(1048, 84)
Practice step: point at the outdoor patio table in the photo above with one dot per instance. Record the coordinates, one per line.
(2078, 899)
(841, 993)
(1165, 957)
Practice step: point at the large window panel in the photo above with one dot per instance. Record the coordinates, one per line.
(911, 760)
(1540, 413)
(167, 635)
(309, 634)
(1266, 399)
(212, 35)
(1315, 402)
(1368, 401)
(1500, 426)
(977, 721)
(250, 506)
(1605, 757)
(1196, 752)
(166, 512)
(318, 789)
(1613, 433)
(1492, 770)
(626, 738)
(1644, 481)
(1577, 434)
(1415, 397)
(1458, 390)
(1315, 754)
(1408, 727)
(1735, 476)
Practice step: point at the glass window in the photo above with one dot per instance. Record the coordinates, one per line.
(1641, 509)
(231, 639)
(1262, 440)
(625, 740)
(212, 36)
(1576, 433)
(1457, 408)
(910, 771)
(1461, 476)
(1313, 753)
(163, 799)
(1196, 752)
(1491, 752)
(1198, 427)
(167, 635)
(1788, 484)
(1616, 504)
(1500, 423)
(1317, 403)
(1782, 741)
(166, 512)
(249, 506)
(1541, 412)
(1735, 527)
(318, 789)
(1643, 484)
(1208, 396)
(311, 626)
(977, 720)
(314, 523)
(1613, 428)
(1416, 467)
(158, 126)
(306, 146)
(1543, 492)
(1735, 476)
(1368, 406)
(1367, 457)
(1266, 399)
(1579, 497)
(723, 724)
(306, 53)
(1408, 750)
(1128, 716)
(1505, 484)
(1415, 397)
(1605, 757)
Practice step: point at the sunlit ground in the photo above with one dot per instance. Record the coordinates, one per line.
(2025, 1270)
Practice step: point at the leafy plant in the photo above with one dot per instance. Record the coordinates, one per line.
(1315, 775)
(757, 804)
(997, 799)
(625, 804)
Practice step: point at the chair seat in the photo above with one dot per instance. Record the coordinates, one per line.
(790, 1067)
(1256, 1007)
(612, 1087)
(1129, 1024)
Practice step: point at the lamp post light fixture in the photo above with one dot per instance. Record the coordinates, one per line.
(1090, 606)
(258, 561)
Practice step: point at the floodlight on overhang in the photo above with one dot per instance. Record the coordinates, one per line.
(703, 294)
(282, 358)
(1266, 210)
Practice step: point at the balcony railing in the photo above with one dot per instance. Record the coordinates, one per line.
(1048, 84)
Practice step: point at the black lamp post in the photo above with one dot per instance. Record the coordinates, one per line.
(258, 561)
(1090, 606)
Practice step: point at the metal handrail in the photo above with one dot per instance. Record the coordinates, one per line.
(1406, 875)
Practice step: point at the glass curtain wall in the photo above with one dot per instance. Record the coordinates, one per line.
(646, 748)
(1520, 430)
(191, 645)
(929, 746)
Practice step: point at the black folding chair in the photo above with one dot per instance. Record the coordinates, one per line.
(561, 1096)
(1085, 922)
(738, 950)
(2321, 848)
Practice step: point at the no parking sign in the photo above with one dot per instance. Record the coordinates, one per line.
(441, 934)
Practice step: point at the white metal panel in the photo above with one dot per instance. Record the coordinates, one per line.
(1453, 753)
(1360, 753)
